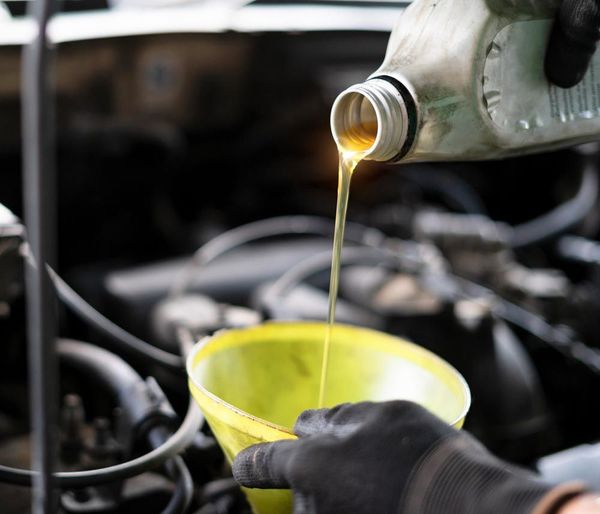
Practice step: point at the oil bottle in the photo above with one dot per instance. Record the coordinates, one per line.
(464, 80)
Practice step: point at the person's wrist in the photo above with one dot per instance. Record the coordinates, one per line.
(582, 504)
(559, 496)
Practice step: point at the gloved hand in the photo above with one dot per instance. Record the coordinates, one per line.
(572, 41)
(391, 458)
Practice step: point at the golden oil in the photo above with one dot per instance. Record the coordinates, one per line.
(352, 146)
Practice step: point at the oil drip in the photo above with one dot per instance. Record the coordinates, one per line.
(353, 146)
(348, 163)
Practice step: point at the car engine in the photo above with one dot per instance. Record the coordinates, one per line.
(196, 182)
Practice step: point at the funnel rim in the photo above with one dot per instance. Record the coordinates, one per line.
(207, 340)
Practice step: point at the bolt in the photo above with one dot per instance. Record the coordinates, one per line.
(72, 422)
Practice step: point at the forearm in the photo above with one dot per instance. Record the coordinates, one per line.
(583, 504)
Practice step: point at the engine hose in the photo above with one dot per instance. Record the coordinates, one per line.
(102, 366)
(77, 479)
(184, 488)
(177, 470)
(125, 340)
(322, 261)
(174, 445)
(563, 217)
(128, 386)
(216, 247)
(271, 227)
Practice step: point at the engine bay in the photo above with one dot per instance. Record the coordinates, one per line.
(196, 182)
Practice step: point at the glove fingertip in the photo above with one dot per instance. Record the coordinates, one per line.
(310, 421)
(243, 467)
(258, 466)
(566, 61)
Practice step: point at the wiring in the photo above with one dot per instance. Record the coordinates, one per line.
(451, 287)
(280, 226)
(184, 488)
(225, 242)
(322, 261)
(560, 340)
(184, 485)
(176, 469)
(125, 339)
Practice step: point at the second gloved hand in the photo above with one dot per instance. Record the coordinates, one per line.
(390, 458)
(573, 41)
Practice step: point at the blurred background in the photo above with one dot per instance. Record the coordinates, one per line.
(178, 121)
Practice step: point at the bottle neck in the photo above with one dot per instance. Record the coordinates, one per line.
(372, 119)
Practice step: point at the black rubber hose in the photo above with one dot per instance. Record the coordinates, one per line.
(178, 442)
(102, 366)
(563, 217)
(140, 402)
(322, 261)
(127, 385)
(270, 227)
(555, 337)
(216, 247)
(184, 488)
(177, 470)
(452, 288)
(124, 339)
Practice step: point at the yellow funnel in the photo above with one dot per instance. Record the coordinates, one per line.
(252, 383)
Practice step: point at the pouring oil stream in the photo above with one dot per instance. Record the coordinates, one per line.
(348, 162)
(355, 139)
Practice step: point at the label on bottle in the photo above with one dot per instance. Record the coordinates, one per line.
(515, 89)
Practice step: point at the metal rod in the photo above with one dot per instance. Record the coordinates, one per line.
(38, 203)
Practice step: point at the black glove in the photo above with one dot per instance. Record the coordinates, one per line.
(572, 41)
(391, 458)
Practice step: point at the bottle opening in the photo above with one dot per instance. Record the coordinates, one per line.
(354, 122)
(370, 119)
